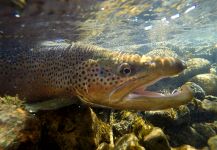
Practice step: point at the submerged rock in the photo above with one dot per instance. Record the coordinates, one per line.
(73, 127)
(185, 147)
(208, 82)
(129, 123)
(209, 107)
(191, 124)
(162, 53)
(186, 135)
(207, 52)
(156, 140)
(128, 141)
(78, 127)
(213, 69)
(198, 91)
(195, 66)
(18, 128)
(169, 117)
(212, 142)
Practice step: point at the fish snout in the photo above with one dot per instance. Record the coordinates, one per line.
(170, 66)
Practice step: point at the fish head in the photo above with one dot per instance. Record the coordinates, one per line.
(108, 81)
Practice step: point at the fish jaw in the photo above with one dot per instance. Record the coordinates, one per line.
(147, 103)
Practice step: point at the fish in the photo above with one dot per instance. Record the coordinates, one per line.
(96, 75)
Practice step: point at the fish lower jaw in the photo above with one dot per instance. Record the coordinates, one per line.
(154, 101)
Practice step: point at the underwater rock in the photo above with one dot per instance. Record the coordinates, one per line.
(162, 53)
(211, 98)
(200, 127)
(155, 140)
(187, 124)
(209, 106)
(73, 127)
(18, 128)
(169, 117)
(195, 66)
(213, 69)
(186, 135)
(208, 82)
(128, 122)
(212, 142)
(105, 146)
(185, 147)
(128, 141)
(203, 111)
(207, 130)
(198, 91)
(207, 52)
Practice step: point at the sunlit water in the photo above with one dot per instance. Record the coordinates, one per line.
(122, 25)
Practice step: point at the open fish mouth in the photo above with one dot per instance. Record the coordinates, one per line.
(141, 99)
(155, 100)
(145, 92)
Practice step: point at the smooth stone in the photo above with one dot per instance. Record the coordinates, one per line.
(212, 142)
(156, 140)
(185, 147)
(208, 82)
(128, 142)
(195, 66)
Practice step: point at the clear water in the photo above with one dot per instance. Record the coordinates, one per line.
(124, 25)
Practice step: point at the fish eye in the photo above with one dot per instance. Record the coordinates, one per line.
(125, 69)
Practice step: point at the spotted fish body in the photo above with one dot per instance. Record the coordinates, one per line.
(95, 75)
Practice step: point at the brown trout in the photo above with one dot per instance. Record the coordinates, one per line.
(96, 75)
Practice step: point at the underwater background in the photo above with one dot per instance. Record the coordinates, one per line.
(180, 28)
